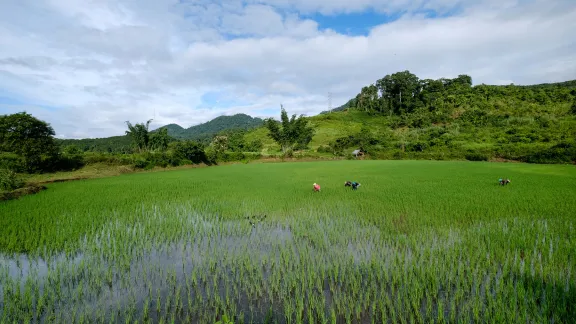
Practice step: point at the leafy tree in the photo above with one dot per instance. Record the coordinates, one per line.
(220, 144)
(28, 137)
(71, 150)
(399, 90)
(160, 140)
(290, 131)
(234, 139)
(139, 134)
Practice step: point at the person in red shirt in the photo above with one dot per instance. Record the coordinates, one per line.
(316, 187)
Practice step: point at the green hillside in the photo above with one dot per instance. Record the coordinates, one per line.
(401, 116)
(218, 124)
(174, 130)
(203, 132)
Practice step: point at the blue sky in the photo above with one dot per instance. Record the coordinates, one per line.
(86, 67)
(354, 24)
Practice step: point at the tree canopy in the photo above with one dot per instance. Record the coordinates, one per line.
(28, 137)
(139, 134)
(290, 131)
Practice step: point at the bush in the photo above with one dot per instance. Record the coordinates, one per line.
(140, 163)
(189, 150)
(12, 162)
(9, 180)
(475, 156)
(254, 146)
(561, 153)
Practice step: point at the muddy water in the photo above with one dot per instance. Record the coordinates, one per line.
(157, 270)
(252, 271)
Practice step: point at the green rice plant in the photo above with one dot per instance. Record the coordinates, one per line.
(415, 248)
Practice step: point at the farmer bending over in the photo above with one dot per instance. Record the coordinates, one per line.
(316, 187)
(504, 182)
(352, 184)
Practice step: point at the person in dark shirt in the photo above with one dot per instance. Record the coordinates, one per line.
(504, 182)
(352, 184)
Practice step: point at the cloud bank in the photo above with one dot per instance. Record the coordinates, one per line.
(86, 67)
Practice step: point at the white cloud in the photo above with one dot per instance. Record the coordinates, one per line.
(88, 67)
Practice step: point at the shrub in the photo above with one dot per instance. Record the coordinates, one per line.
(560, 153)
(254, 146)
(190, 150)
(140, 163)
(475, 156)
(9, 180)
(12, 162)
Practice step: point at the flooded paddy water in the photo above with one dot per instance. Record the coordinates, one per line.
(188, 266)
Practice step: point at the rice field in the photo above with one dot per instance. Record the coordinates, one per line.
(418, 242)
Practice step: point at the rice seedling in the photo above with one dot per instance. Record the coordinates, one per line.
(419, 242)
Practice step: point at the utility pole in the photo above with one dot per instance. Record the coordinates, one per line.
(329, 102)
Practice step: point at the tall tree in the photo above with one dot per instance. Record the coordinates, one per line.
(160, 140)
(220, 144)
(29, 137)
(139, 134)
(290, 131)
(399, 91)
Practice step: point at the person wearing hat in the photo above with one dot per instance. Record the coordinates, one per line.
(316, 187)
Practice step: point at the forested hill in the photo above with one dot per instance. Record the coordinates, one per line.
(403, 116)
(404, 93)
(202, 132)
(216, 125)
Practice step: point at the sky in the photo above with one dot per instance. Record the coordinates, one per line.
(88, 66)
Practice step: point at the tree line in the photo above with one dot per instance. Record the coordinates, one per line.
(443, 118)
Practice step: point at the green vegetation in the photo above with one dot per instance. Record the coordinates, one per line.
(403, 117)
(204, 132)
(9, 180)
(420, 241)
(30, 140)
(290, 133)
(406, 117)
(398, 117)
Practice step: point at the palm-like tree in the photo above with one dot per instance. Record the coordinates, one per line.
(139, 134)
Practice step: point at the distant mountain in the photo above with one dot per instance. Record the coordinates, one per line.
(216, 125)
(173, 129)
(202, 133)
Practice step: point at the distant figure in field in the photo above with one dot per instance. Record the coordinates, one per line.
(316, 187)
(504, 182)
(352, 184)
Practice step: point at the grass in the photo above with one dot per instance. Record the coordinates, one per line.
(420, 241)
